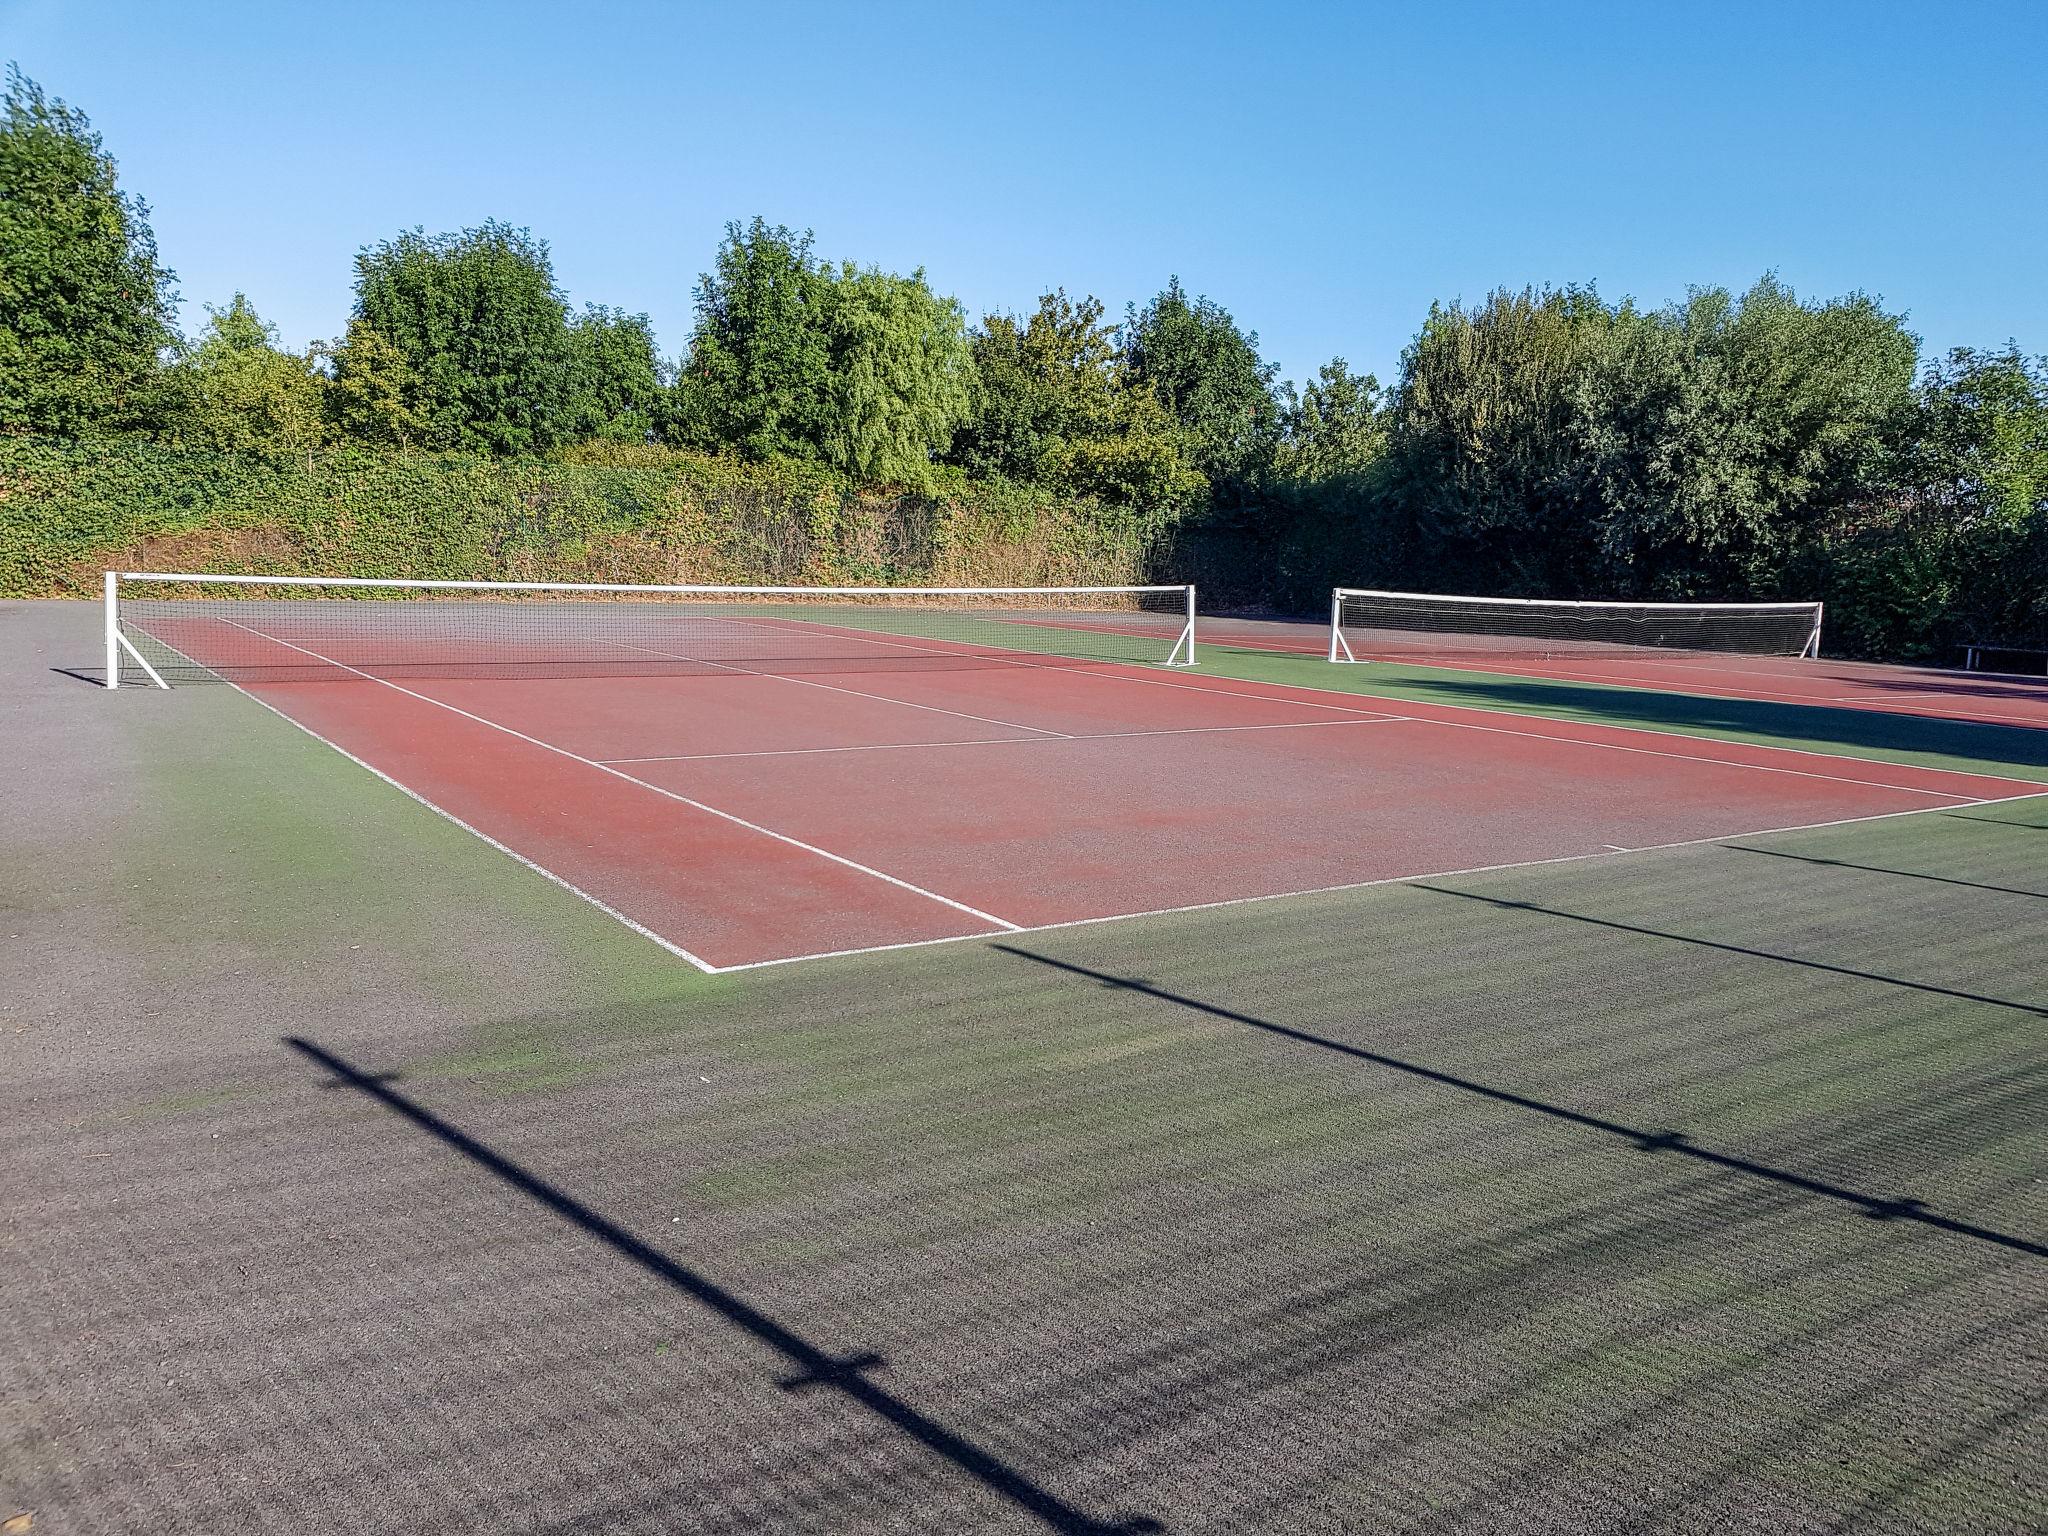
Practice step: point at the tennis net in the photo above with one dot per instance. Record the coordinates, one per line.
(1464, 630)
(173, 627)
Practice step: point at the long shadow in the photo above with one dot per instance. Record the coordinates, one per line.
(1506, 905)
(2003, 821)
(1792, 724)
(814, 1367)
(1879, 869)
(1902, 1209)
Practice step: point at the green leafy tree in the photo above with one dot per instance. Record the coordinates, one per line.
(1335, 426)
(373, 396)
(483, 330)
(237, 389)
(899, 375)
(85, 308)
(1141, 465)
(1208, 375)
(1056, 403)
(1721, 434)
(759, 373)
(1039, 383)
(1956, 548)
(619, 384)
(1485, 483)
(1981, 447)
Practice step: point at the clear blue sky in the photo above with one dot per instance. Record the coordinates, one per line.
(1323, 171)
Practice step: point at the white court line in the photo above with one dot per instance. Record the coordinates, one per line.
(805, 682)
(1011, 741)
(1566, 740)
(414, 795)
(1363, 885)
(712, 810)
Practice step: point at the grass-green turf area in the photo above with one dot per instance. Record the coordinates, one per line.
(1697, 1190)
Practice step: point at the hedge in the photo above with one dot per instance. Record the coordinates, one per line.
(69, 509)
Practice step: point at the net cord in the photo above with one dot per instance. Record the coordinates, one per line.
(1340, 593)
(683, 589)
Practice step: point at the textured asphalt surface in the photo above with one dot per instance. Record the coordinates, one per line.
(358, 1180)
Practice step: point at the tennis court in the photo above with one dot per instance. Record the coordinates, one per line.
(1691, 1188)
(1748, 653)
(752, 778)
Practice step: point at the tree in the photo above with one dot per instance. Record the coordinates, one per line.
(758, 377)
(1209, 377)
(85, 309)
(1039, 384)
(619, 387)
(1956, 548)
(1485, 482)
(1981, 444)
(372, 395)
(1336, 426)
(899, 375)
(484, 331)
(1057, 403)
(1721, 434)
(237, 390)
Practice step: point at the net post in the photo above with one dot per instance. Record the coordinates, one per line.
(1187, 634)
(1340, 648)
(1812, 650)
(112, 619)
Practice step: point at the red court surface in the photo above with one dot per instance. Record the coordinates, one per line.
(750, 817)
(1986, 698)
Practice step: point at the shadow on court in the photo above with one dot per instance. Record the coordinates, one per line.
(814, 1369)
(2003, 821)
(1879, 869)
(1793, 725)
(1504, 904)
(1663, 1142)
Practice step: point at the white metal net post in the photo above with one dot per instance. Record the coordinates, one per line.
(196, 627)
(1467, 630)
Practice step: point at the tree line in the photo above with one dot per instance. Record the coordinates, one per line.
(1541, 442)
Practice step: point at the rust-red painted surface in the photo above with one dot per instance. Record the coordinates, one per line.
(1037, 793)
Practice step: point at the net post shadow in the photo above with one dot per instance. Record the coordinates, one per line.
(2002, 821)
(1879, 869)
(1657, 1142)
(815, 1368)
(1536, 908)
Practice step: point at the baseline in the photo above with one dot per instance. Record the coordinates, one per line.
(1362, 885)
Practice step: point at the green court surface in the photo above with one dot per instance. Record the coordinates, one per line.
(360, 1179)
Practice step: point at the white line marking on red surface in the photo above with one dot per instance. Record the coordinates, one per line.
(1362, 885)
(588, 762)
(512, 853)
(2033, 791)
